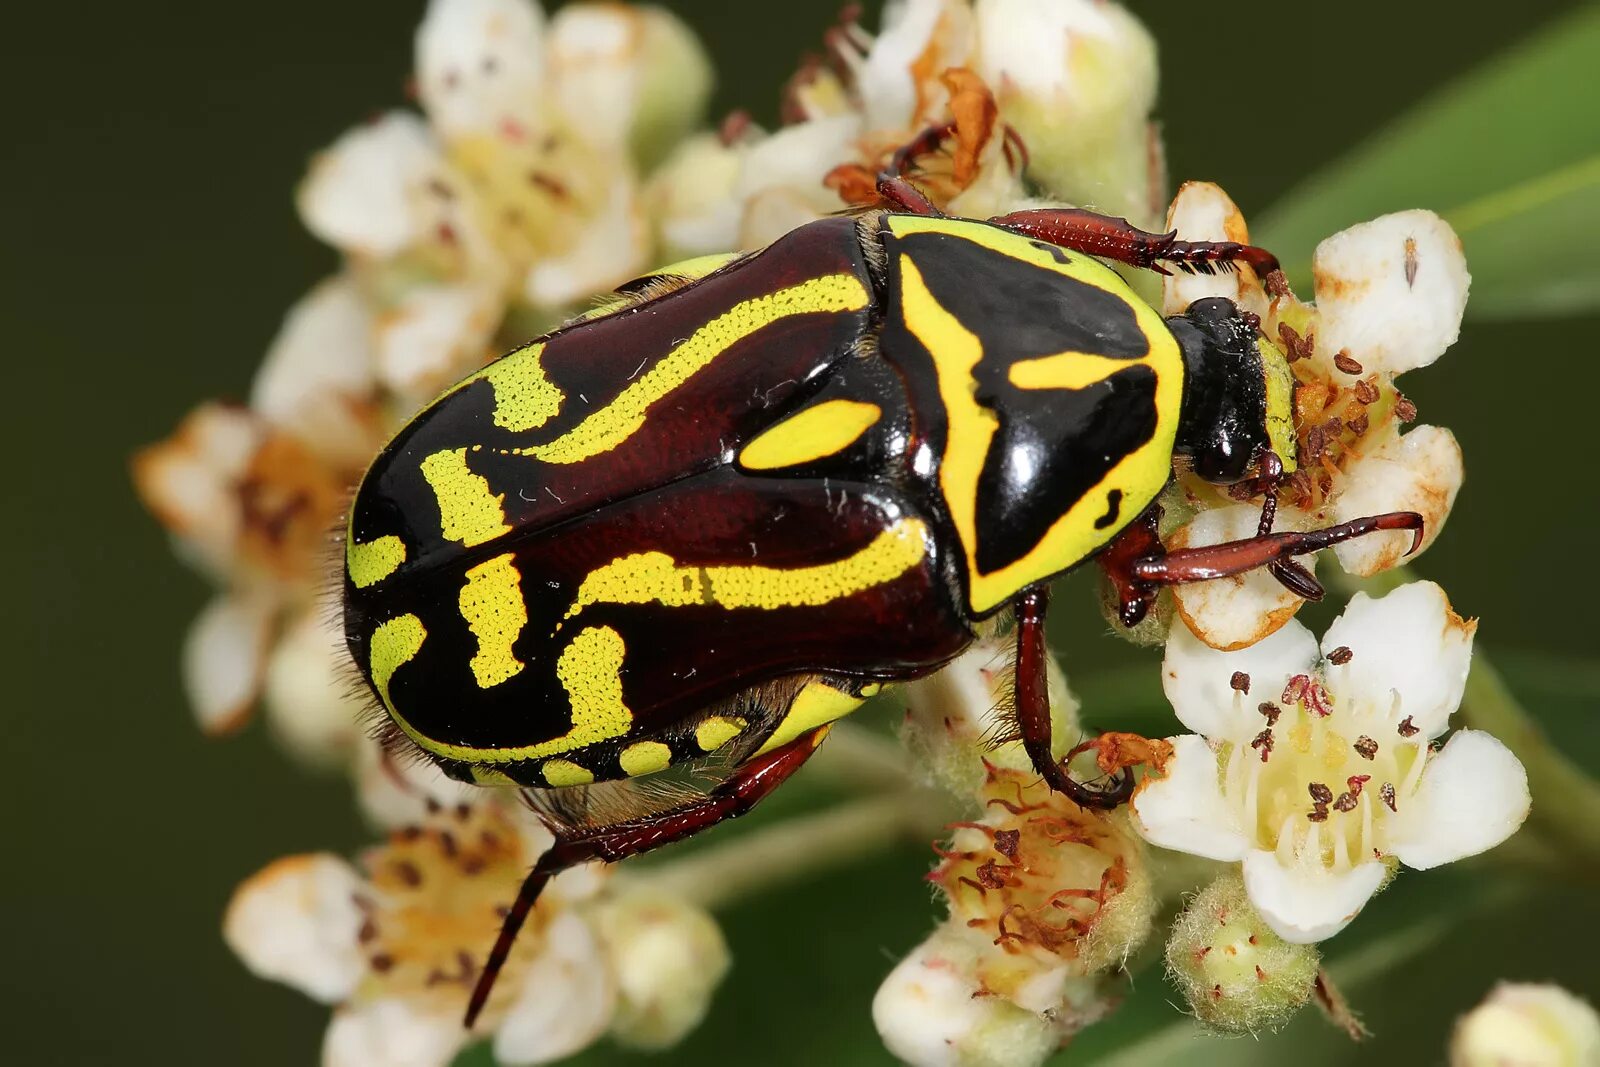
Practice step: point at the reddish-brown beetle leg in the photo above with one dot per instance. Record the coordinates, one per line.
(1118, 239)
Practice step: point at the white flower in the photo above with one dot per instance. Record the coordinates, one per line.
(1316, 770)
(396, 945)
(668, 958)
(1523, 1025)
(481, 67)
(1077, 80)
(1390, 296)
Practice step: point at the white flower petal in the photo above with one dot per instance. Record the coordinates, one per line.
(436, 334)
(317, 379)
(1391, 292)
(366, 192)
(1198, 679)
(391, 1033)
(189, 480)
(1231, 613)
(613, 247)
(394, 791)
(1184, 809)
(668, 957)
(627, 74)
(566, 1000)
(1473, 795)
(923, 37)
(1305, 904)
(297, 922)
(224, 655)
(1409, 642)
(480, 66)
(690, 197)
(1420, 471)
(1203, 212)
(312, 705)
(930, 1011)
(781, 183)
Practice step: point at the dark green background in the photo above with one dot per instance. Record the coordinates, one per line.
(151, 249)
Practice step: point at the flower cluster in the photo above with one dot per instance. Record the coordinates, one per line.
(554, 158)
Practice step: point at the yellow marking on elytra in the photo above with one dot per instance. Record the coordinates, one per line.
(524, 396)
(563, 772)
(491, 603)
(468, 511)
(956, 350)
(394, 644)
(589, 668)
(1065, 370)
(717, 730)
(490, 776)
(372, 562)
(645, 757)
(816, 704)
(655, 577)
(821, 430)
(614, 423)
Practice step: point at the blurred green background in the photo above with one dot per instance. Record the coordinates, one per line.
(151, 150)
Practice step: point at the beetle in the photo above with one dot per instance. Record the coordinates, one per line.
(705, 520)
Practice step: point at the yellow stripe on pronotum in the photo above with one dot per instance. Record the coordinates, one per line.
(619, 420)
(824, 429)
(371, 562)
(491, 603)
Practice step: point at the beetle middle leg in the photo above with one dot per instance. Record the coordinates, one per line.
(740, 792)
(1033, 711)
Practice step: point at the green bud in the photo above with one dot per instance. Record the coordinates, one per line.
(1237, 975)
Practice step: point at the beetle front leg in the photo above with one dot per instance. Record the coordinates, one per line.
(1094, 234)
(740, 792)
(1032, 694)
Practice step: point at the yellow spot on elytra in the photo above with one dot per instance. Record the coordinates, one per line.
(561, 772)
(491, 603)
(370, 563)
(815, 705)
(524, 397)
(614, 423)
(394, 643)
(716, 731)
(490, 776)
(468, 511)
(822, 430)
(1065, 370)
(655, 577)
(644, 757)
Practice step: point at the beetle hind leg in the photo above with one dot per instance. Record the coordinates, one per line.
(740, 792)
(1032, 698)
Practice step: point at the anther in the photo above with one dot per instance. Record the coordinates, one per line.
(1407, 728)
(1005, 843)
(1240, 682)
(1346, 363)
(1295, 691)
(1271, 711)
(1263, 742)
(1386, 791)
(1341, 655)
(1366, 392)
(1365, 747)
(1404, 409)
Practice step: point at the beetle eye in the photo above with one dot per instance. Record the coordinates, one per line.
(1224, 463)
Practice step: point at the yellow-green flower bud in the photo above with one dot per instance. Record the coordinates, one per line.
(1238, 976)
(667, 957)
(1527, 1026)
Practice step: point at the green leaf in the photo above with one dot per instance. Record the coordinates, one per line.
(1509, 154)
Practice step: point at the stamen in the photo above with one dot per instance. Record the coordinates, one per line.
(1340, 656)
(1408, 728)
(1386, 791)
(1263, 742)
(1240, 682)
(1365, 747)
(1345, 362)
(1295, 691)
(1271, 711)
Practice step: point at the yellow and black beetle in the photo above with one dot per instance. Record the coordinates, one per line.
(710, 517)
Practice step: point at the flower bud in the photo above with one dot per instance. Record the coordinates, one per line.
(667, 958)
(480, 66)
(628, 75)
(932, 1011)
(1238, 976)
(1077, 80)
(1527, 1026)
(313, 711)
(954, 718)
(691, 201)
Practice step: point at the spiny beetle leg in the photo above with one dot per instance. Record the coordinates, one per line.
(747, 786)
(1033, 711)
(1236, 557)
(1118, 239)
(1137, 542)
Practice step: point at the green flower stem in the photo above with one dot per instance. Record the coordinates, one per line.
(799, 848)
